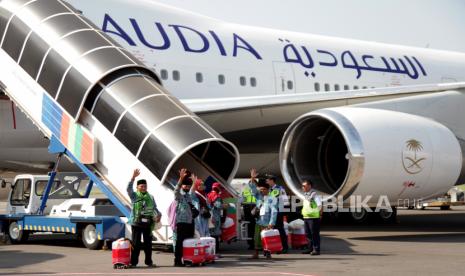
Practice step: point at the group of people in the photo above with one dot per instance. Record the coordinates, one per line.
(263, 203)
(193, 210)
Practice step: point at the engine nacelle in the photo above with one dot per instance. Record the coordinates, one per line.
(348, 151)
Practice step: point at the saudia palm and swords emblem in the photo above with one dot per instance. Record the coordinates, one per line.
(411, 162)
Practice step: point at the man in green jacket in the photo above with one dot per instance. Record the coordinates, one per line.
(144, 214)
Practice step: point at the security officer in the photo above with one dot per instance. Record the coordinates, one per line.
(279, 192)
(144, 214)
(311, 213)
(248, 201)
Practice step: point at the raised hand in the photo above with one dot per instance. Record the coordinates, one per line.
(253, 174)
(194, 178)
(182, 173)
(135, 174)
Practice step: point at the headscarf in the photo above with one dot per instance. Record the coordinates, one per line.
(201, 195)
(214, 195)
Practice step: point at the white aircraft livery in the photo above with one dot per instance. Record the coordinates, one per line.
(164, 87)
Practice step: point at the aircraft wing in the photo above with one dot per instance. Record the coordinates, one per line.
(256, 125)
(221, 105)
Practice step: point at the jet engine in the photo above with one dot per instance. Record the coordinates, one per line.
(371, 153)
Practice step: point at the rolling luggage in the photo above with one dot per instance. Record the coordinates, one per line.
(121, 253)
(298, 238)
(271, 241)
(210, 249)
(193, 252)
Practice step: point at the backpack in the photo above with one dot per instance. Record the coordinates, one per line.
(172, 215)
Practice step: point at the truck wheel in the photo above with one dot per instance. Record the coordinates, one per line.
(17, 235)
(89, 237)
(445, 207)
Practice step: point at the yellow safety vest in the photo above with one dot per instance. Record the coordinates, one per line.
(248, 196)
(310, 209)
(275, 193)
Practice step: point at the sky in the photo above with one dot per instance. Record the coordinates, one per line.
(438, 24)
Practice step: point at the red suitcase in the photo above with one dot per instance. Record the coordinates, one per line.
(210, 249)
(121, 253)
(193, 252)
(271, 241)
(298, 238)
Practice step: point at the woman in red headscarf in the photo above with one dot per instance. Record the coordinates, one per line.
(216, 203)
(200, 201)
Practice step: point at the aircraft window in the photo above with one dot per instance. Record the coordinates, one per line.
(253, 82)
(164, 74)
(336, 87)
(317, 86)
(327, 88)
(221, 79)
(364, 87)
(199, 77)
(355, 87)
(243, 81)
(176, 75)
(290, 85)
(346, 87)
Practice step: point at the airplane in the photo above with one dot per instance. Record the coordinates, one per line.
(268, 92)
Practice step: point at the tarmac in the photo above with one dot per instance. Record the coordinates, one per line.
(422, 242)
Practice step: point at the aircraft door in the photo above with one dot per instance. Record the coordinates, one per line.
(284, 78)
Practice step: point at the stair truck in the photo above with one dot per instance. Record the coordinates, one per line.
(102, 108)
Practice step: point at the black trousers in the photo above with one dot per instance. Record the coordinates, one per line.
(312, 229)
(183, 231)
(282, 233)
(251, 226)
(137, 233)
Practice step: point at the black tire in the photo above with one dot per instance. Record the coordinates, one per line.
(359, 217)
(446, 207)
(388, 217)
(89, 237)
(16, 235)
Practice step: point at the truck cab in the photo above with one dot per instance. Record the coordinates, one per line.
(27, 191)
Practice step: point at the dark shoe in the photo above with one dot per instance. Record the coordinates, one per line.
(284, 251)
(268, 255)
(314, 253)
(151, 265)
(307, 252)
(178, 263)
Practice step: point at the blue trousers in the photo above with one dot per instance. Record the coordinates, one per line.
(312, 229)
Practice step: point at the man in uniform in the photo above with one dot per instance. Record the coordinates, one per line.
(248, 202)
(311, 212)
